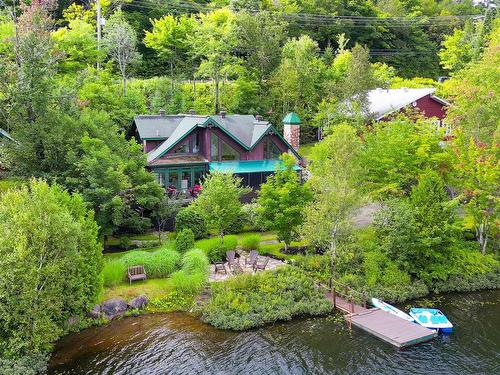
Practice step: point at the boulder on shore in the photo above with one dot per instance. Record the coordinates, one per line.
(139, 302)
(113, 308)
(95, 312)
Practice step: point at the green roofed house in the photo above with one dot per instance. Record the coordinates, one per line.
(182, 148)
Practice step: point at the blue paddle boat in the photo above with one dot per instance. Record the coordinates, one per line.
(391, 309)
(432, 319)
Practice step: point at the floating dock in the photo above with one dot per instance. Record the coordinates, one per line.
(388, 327)
(396, 331)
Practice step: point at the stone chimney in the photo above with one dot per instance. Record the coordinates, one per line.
(258, 117)
(192, 112)
(222, 114)
(291, 129)
(162, 112)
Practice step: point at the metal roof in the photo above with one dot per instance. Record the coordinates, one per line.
(156, 126)
(292, 118)
(245, 129)
(385, 101)
(247, 166)
(184, 127)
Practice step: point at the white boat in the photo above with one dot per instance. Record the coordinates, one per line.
(391, 309)
(432, 318)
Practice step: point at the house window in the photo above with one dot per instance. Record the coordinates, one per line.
(271, 151)
(196, 144)
(214, 147)
(183, 148)
(228, 153)
(160, 178)
(173, 178)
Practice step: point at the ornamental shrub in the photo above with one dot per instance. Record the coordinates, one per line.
(248, 301)
(190, 218)
(184, 240)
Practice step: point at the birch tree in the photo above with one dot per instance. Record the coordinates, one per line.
(334, 184)
(120, 41)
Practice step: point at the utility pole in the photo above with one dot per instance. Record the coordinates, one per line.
(98, 4)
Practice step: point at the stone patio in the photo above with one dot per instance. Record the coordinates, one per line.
(219, 276)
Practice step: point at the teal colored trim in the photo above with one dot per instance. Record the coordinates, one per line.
(278, 134)
(185, 165)
(210, 120)
(155, 139)
(292, 119)
(176, 143)
(248, 166)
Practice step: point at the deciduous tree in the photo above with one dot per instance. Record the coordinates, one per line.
(282, 200)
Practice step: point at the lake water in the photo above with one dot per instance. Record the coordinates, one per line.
(180, 344)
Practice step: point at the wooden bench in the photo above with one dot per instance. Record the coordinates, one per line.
(136, 273)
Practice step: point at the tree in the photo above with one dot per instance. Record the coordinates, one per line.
(296, 83)
(219, 201)
(475, 94)
(282, 199)
(395, 152)
(170, 39)
(213, 41)
(120, 42)
(434, 217)
(396, 232)
(477, 172)
(109, 172)
(77, 45)
(359, 79)
(165, 210)
(260, 38)
(334, 176)
(50, 264)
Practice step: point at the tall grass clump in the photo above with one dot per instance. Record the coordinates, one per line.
(159, 264)
(215, 249)
(195, 261)
(191, 278)
(114, 272)
(251, 242)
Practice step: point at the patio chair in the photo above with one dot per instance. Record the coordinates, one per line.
(260, 264)
(233, 262)
(251, 258)
(219, 266)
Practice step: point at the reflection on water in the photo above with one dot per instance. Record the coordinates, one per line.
(180, 344)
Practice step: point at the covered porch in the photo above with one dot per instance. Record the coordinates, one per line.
(252, 172)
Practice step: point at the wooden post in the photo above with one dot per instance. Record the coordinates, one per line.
(352, 306)
(364, 301)
(334, 294)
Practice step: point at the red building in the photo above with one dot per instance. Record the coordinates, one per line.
(385, 103)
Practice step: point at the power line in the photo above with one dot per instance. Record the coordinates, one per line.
(330, 20)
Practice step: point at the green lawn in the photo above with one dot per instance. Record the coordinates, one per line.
(151, 288)
(117, 255)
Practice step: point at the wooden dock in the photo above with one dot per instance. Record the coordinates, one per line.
(388, 327)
